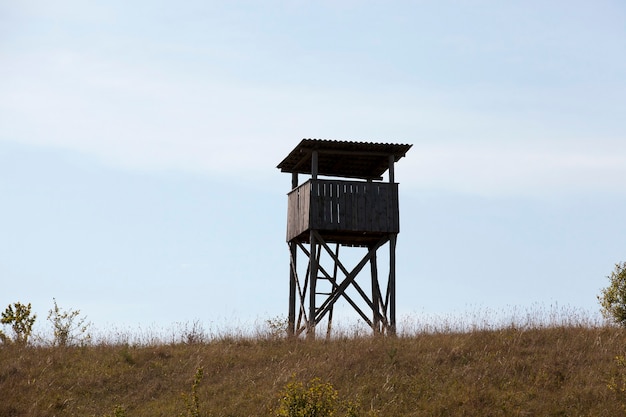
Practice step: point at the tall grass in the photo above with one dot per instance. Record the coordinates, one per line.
(551, 362)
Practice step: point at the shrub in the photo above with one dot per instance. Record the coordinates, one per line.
(316, 399)
(613, 298)
(69, 328)
(19, 317)
(276, 327)
(192, 402)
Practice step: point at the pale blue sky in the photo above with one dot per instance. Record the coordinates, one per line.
(138, 145)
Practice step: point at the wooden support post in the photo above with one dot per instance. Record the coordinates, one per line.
(392, 262)
(312, 285)
(291, 320)
(314, 165)
(333, 282)
(294, 180)
(392, 284)
(375, 294)
(293, 248)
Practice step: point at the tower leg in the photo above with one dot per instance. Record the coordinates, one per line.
(392, 284)
(312, 286)
(333, 283)
(291, 319)
(375, 294)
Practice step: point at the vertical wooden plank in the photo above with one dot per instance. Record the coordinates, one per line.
(293, 214)
(322, 186)
(347, 207)
(335, 205)
(323, 205)
(348, 202)
(341, 206)
(361, 210)
(370, 206)
(395, 209)
(315, 205)
(289, 217)
(305, 207)
(368, 209)
(383, 208)
(373, 207)
(328, 208)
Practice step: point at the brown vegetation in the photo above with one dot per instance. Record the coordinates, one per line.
(553, 371)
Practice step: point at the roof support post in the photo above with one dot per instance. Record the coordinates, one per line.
(392, 161)
(294, 180)
(314, 164)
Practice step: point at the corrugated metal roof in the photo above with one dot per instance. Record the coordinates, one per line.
(349, 159)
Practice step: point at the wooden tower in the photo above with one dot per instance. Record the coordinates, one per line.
(352, 207)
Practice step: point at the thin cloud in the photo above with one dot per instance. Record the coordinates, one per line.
(531, 170)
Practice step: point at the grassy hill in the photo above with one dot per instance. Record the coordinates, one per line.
(550, 371)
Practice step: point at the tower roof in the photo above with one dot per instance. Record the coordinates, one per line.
(366, 160)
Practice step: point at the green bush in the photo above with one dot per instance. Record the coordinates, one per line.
(19, 317)
(315, 399)
(613, 298)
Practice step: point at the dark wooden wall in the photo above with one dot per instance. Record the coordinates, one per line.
(343, 206)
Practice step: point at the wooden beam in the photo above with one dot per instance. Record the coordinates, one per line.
(293, 278)
(348, 152)
(314, 164)
(294, 180)
(312, 285)
(392, 284)
(375, 294)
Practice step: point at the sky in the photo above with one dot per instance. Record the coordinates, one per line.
(139, 143)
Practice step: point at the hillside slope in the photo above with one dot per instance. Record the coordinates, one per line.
(512, 372)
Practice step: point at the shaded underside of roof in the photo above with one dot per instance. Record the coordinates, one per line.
(349, 159)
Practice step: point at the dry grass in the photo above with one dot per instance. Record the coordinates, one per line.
(545, 371)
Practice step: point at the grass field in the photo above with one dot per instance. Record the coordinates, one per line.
(544, 370)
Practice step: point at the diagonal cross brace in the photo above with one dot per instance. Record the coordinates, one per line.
(321, 269)
(350, 279)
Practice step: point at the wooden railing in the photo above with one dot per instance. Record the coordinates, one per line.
(343, 206)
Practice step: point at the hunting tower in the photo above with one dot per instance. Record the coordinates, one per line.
(352, 207)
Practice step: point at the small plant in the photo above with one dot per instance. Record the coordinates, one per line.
(69, 328)
(118, 411)
(618, 384)
(277, 327)
(192, 403)
(19, 317)
(613, 298)
(192, 334)
(316, 399)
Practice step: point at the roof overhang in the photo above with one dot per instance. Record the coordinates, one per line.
(367, 160)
